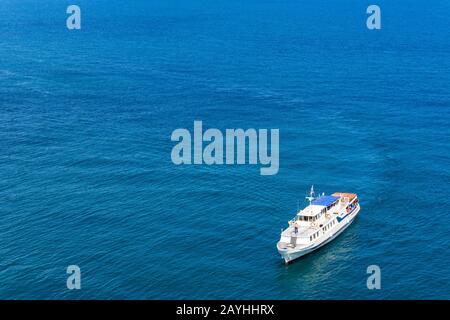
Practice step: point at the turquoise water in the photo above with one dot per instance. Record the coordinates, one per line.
(87, 179)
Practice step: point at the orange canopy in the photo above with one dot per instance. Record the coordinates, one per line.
(350, 196)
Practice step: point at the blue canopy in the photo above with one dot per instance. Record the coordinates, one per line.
(325, 201)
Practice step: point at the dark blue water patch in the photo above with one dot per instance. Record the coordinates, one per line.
(87, 179)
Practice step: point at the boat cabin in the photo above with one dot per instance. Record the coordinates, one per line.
(317, 208)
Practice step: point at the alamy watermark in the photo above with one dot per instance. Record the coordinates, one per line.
(74, 278)
(374, 20)
(374, 280)
(229, 148)
(74, 20)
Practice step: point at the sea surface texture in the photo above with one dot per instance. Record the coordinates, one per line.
(86, 173)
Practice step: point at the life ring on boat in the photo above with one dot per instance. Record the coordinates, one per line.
(313, 224)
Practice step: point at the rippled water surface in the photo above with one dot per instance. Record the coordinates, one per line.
(87, 179)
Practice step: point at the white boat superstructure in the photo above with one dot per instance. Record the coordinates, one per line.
(320, 222)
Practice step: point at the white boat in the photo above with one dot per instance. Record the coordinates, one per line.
(319, 223)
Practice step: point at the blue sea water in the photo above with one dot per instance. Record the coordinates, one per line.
(87, 179)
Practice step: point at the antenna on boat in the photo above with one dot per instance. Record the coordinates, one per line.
(310, 198)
